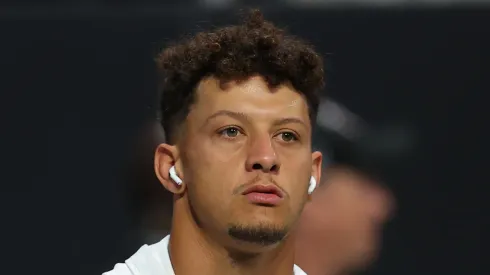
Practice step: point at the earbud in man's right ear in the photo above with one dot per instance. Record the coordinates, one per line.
(173, 175)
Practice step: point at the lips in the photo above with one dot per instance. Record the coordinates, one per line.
(264, 195)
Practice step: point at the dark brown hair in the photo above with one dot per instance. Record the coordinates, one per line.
(256, 47)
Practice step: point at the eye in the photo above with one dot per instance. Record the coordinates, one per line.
(230, 132)
(288, 136)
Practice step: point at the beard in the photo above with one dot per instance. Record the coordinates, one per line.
(262, 234)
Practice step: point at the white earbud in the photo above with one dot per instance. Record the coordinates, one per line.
(312, 185)
(174, 177)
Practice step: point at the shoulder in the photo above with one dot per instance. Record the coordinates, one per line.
(149, 259)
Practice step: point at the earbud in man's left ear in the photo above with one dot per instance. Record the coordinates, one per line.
(312, 185)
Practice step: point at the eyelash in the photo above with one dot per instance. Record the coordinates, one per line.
(294, 136)
(222, 133)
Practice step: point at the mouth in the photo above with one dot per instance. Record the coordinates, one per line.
(264, 195)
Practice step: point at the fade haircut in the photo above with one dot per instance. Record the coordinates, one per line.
(256, 47)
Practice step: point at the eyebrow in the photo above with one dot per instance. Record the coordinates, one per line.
(242, 116)
(289, 120)
(235, 115)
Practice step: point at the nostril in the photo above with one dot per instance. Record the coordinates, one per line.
(257, 166)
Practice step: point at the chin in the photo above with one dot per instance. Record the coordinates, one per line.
(245, 248)
(260, 217)
(258, 236)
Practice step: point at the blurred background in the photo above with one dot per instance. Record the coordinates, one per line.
(78, 115)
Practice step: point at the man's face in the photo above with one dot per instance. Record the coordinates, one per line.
(239, 135)
(346, 216)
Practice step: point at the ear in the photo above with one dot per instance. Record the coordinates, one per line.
(316, 167)
(167, 156)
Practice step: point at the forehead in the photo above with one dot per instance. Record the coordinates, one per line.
(250, 96)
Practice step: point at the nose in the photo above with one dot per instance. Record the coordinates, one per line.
(262, 156)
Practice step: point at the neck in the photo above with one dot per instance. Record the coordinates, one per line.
(192, 251)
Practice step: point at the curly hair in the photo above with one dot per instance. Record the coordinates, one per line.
(256, 47)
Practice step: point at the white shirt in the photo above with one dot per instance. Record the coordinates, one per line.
(155, 260)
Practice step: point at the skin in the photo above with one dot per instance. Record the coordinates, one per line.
(238, 134)
(340, 230)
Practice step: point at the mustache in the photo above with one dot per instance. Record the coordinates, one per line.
(239, 190)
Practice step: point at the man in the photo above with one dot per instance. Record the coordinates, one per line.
(341, 229)
(238, 105)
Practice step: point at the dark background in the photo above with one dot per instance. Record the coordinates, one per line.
(77, 90)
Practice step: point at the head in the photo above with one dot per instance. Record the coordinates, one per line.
(238, 105)
(344, 220)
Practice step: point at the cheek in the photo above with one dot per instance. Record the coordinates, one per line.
(209, 198)
(217, 156)
(297, 174)
(225, 151)
(210, 176)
